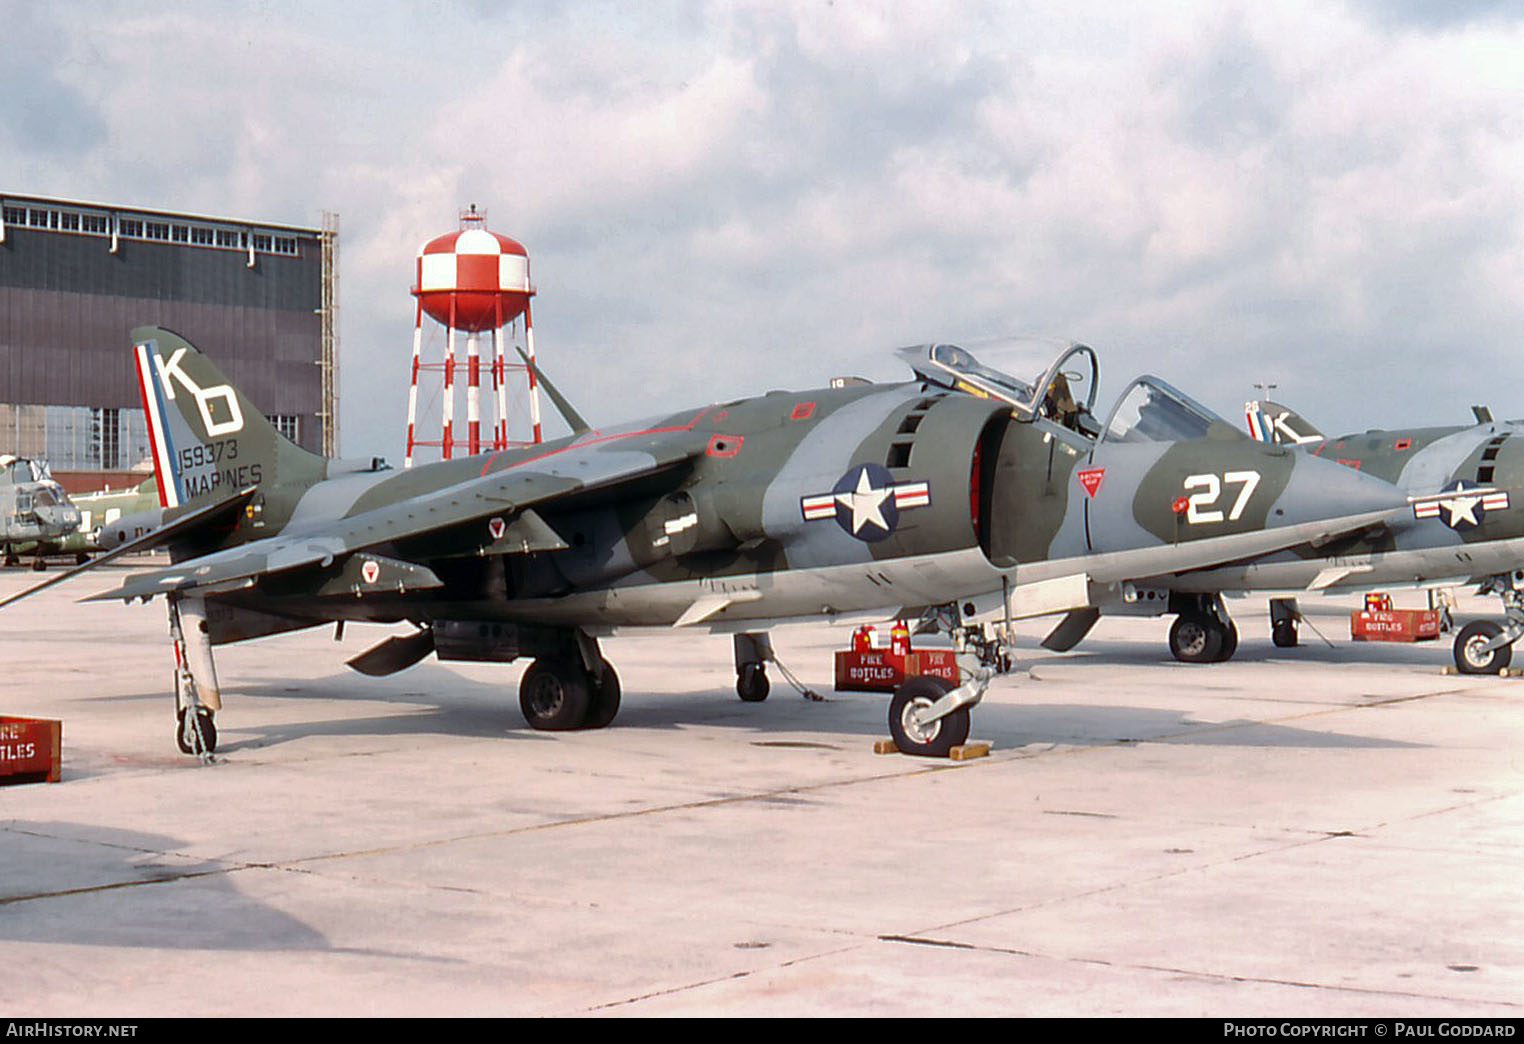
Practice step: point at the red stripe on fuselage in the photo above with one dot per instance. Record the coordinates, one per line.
(589, 438)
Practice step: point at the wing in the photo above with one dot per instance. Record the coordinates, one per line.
(1062, 584)
(210, 514)
(1115, 566)
(586, 467)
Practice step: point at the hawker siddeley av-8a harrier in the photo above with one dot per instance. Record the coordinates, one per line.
(959, 496)
(1466, 523)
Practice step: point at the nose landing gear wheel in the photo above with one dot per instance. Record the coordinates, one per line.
(1470, 655)
(933, 740)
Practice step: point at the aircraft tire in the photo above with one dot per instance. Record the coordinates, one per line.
(752, 684)
(1468, 657)
(935, 740)
(553, 695)
(1196, 638)
(1229, 642)
(1283, 633)
(603, 700)
(198, 737)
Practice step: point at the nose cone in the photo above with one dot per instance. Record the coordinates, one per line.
(1322, 489)
(57, 522)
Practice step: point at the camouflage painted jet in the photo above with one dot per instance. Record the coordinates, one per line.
(35, 512)
(959, 497)
(1465, 524)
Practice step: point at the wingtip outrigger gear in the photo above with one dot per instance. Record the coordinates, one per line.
(753, 652)
(197, 696)
(799, 686)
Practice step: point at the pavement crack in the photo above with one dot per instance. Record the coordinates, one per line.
(672, 991)
(1264, 980)
(914, 941)
(611, 817)
(113, 886)
(1122, 886)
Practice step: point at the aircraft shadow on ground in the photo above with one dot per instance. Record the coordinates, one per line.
(1434, 655)
(1010, 725)
(136, 894)
(448, 704)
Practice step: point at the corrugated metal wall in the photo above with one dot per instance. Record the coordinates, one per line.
(68, 305)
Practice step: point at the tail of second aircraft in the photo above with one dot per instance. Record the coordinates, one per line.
(208, 440)
(1271, 422)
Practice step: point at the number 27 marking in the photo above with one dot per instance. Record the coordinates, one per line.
(1200, 506)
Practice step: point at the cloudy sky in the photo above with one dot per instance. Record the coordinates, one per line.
(720, 198)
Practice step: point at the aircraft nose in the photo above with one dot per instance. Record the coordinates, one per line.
(65, 518)
(1321, 488)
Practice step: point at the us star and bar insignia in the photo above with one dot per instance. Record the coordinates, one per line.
(1460, 506)
(866, 502)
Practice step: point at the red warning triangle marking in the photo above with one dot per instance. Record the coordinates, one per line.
(1090, 478)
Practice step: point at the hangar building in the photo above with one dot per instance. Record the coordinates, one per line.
(75, 278)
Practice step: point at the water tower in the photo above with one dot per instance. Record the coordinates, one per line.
(470, 281)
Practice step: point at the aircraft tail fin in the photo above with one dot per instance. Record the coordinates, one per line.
(208, 440)
(1271, 422)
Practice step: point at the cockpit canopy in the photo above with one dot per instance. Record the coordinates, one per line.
(1063, 372)
(1149, 410)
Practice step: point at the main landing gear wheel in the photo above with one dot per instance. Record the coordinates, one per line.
(1283, 634)
(1229, 642)
(603, 699)
(752, 684)
(932, 740)
(1197, 638)
(196, 734)
(1471, 654)
(554, 696)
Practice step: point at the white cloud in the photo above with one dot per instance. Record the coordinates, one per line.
(720, 197)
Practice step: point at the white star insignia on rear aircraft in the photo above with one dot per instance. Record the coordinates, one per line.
(1465, 506)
